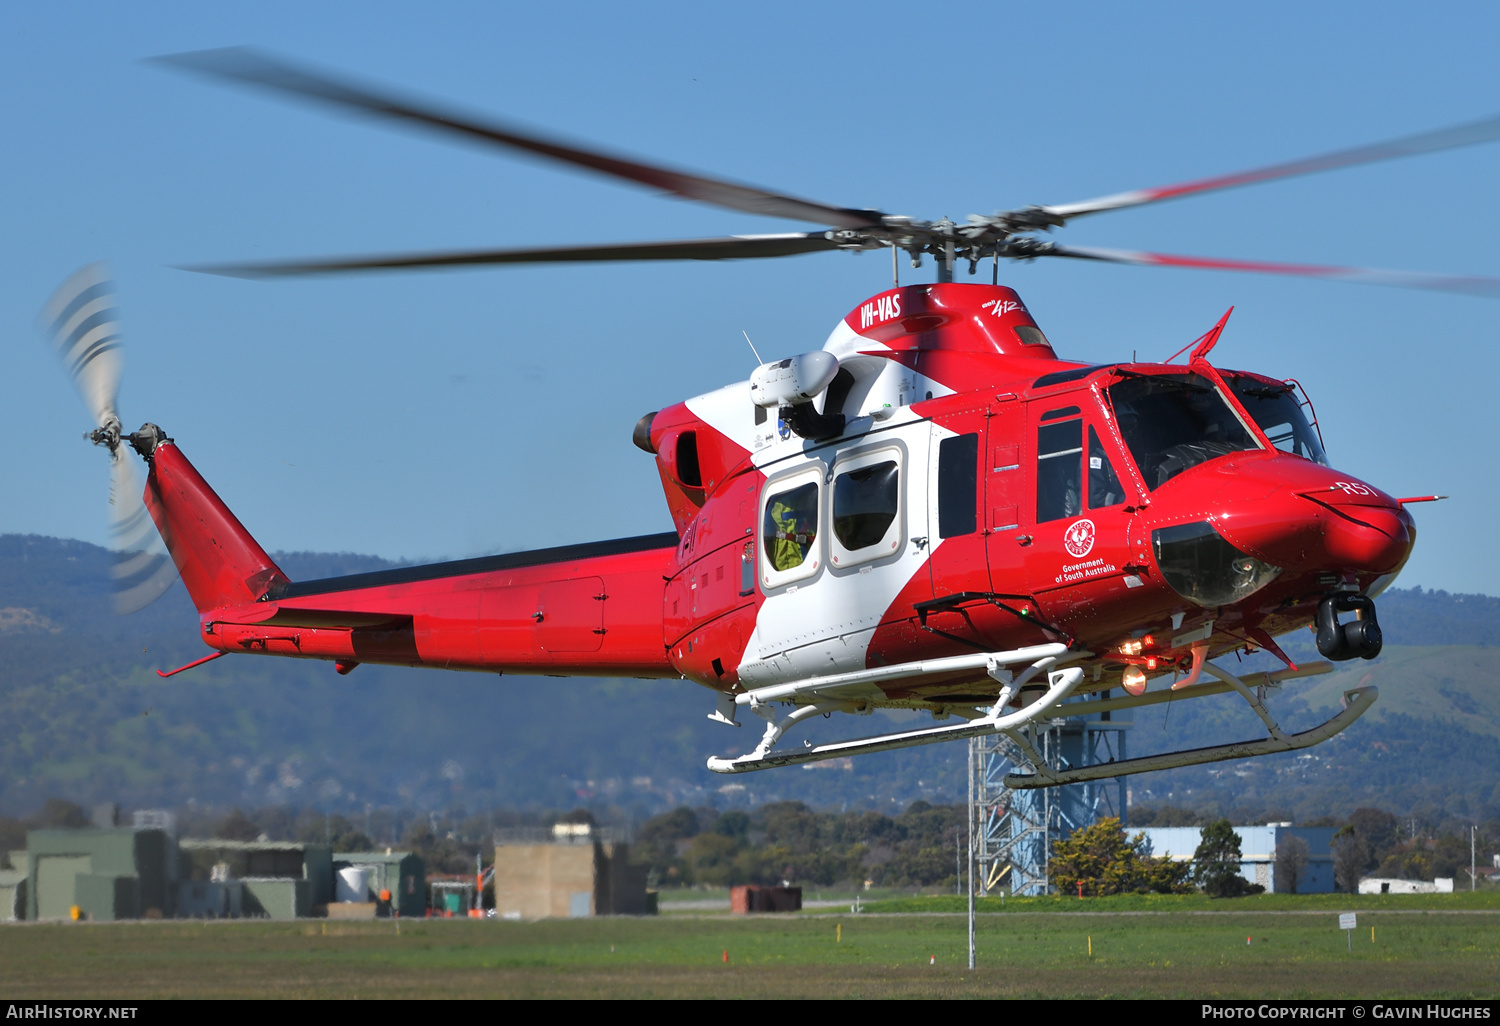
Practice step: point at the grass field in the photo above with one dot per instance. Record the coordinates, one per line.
(1436, 948)
(1469, 901)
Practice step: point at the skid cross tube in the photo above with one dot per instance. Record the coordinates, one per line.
(1062, 683)
(987, 661)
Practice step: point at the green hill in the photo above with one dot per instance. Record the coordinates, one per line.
(1456, 685)
(1429, 746)
(86, 718)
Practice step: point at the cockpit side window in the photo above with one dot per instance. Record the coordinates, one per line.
(1104, 486)
(1059, 479)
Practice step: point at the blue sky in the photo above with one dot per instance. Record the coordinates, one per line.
(448, 415)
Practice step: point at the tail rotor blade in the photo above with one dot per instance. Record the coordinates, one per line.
(143, 570)
(84, 325)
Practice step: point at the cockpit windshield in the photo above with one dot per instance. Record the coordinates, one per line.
(1276, 410)
(1175, 421)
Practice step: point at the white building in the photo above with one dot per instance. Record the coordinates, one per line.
(1390, 885)
(1257, 851)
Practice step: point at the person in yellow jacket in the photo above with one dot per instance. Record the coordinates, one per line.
(792, 533)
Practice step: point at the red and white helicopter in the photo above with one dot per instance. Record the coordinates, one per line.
(934, 511)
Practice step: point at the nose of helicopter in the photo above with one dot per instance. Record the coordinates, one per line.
(1367, 539)
(1300, 516)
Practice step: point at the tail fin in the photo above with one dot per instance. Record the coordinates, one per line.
(220, 563)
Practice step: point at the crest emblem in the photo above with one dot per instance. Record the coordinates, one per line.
(1079, 538)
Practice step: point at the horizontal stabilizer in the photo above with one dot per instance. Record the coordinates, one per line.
(288, 616)
(273, 614)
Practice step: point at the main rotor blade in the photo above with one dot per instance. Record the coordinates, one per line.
(1468, 285)
(249, 66)
(1485, 130)
(734, 247)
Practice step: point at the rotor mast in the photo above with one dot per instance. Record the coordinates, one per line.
(983, 238)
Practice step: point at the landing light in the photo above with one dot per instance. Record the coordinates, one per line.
(1201, 565)
(1134, 680)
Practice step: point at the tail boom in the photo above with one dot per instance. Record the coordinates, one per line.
(597, 615)
(579, 610)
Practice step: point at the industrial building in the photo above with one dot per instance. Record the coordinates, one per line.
(749, 898)
(1390, 885)
(13, 889)
(107, 872)
(1258, 845)
(275, 879)
(574, 870)
(395, 882)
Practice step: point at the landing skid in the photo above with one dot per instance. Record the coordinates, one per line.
(851, 693)
(1356, 702)
(857, 692)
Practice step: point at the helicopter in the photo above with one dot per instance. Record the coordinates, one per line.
(933, 512)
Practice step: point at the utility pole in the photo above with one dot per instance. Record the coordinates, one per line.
(1473, 868)
(973, 757)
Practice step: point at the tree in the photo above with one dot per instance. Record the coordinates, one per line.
(734, 824)
(237, 827)
(1350, 855)
(1408, 864)
(1216, 863)
(59, 812)
(335, 831)
(1166, 816)
(1101, 859)
(711, 857)
(670, 827)
(12, 834)
(1380, 831)
(1291, 863)
(1450, 855)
